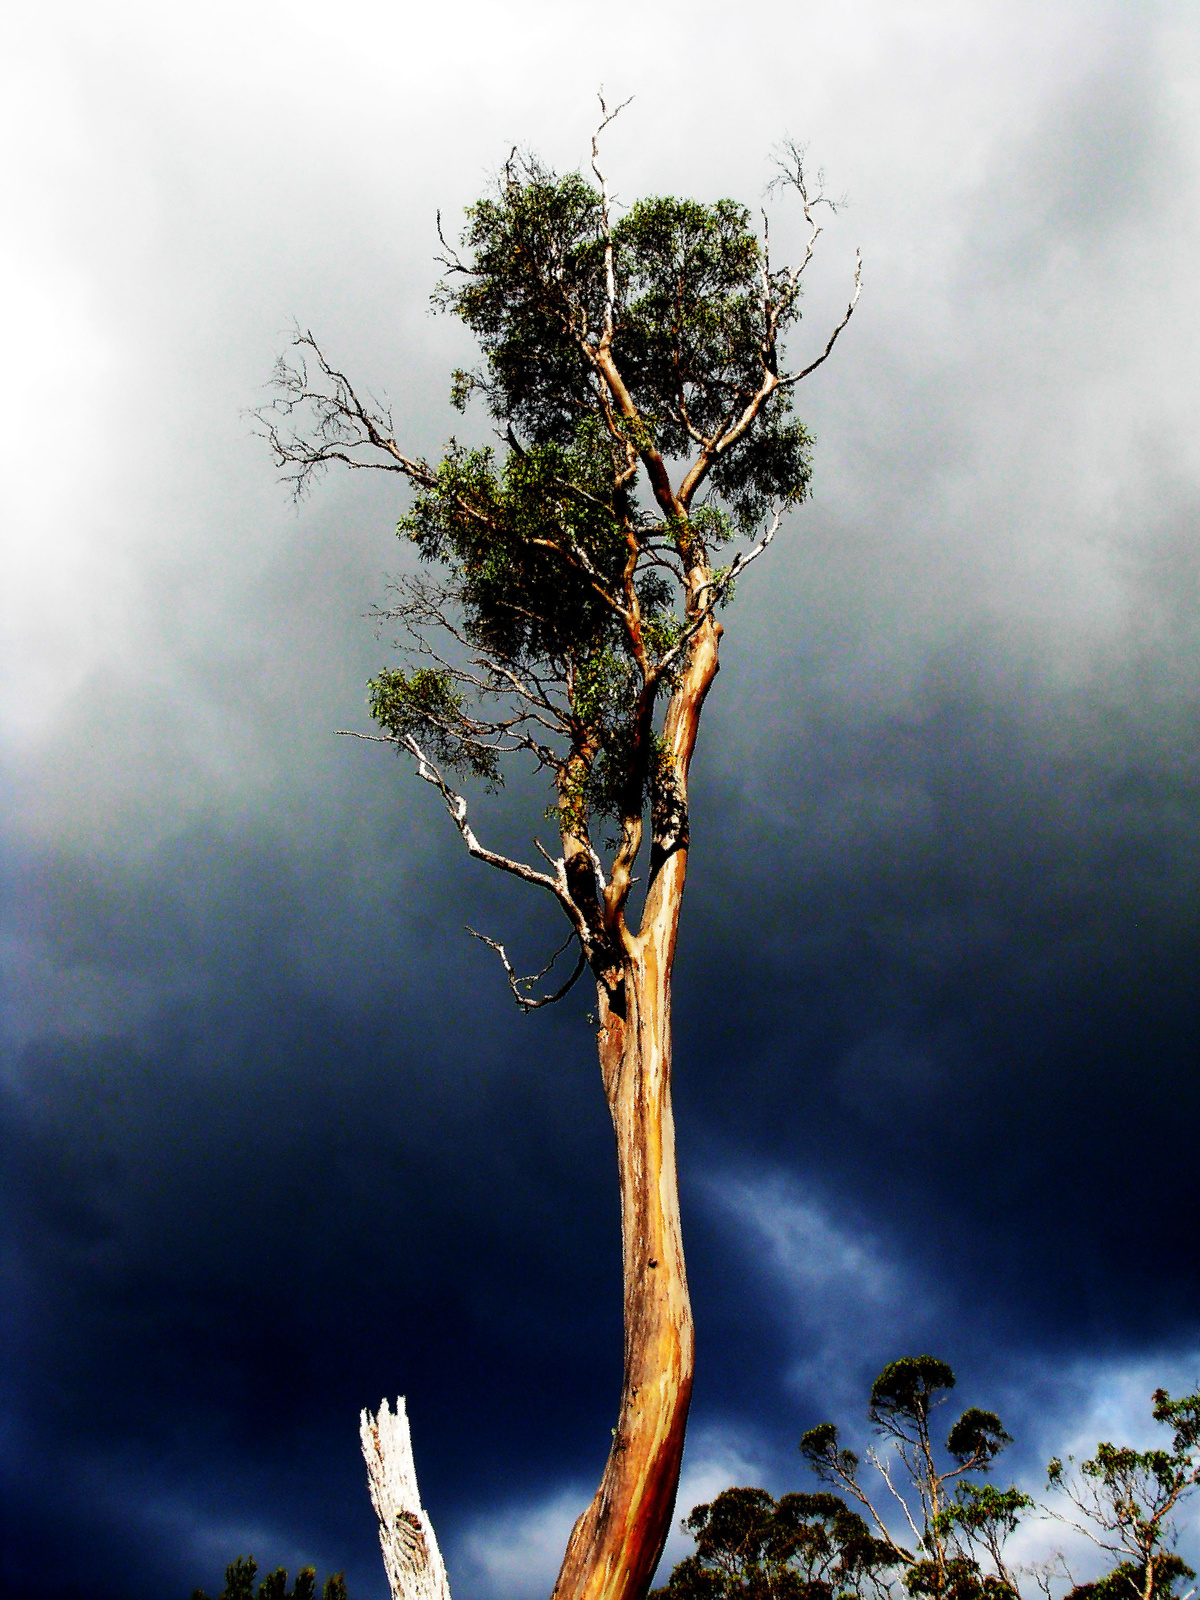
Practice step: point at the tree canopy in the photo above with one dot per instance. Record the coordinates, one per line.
(635, 370)
(815, 1547)
(240, 1576)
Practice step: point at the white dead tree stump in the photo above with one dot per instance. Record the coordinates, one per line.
(415, 1569)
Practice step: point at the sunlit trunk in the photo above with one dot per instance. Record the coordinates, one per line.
(617, 1543)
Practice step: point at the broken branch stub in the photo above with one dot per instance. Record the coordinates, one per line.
(414, 1565)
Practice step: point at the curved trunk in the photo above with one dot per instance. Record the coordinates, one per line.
(616, 1544)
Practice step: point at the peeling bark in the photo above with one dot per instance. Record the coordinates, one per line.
(615, 1546)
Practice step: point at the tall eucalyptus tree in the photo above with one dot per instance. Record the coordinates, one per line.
(636, 370)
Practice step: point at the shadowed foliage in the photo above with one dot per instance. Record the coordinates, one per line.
(240, 1576)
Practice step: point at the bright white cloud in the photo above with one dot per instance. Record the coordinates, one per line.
(848, 1299)
(516, 1550)
(718, 1456)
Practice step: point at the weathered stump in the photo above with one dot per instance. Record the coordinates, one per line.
(414, 1565)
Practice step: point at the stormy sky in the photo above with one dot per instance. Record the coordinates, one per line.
(275, 1141)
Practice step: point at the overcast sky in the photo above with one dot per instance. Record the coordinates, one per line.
(276, 1143)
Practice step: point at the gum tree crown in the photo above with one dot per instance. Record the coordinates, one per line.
(634, 369)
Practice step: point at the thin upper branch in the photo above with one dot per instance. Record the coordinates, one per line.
(610, 281)
(796, 377)
(345, 428)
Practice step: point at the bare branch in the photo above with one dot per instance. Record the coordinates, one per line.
(529, 1002)
(788, 160)
(344, 428)
(778, 294)
(456, 805)
(610, 282)
(850, 1483)
(881, 1467)
(451, 261)
(795, 377)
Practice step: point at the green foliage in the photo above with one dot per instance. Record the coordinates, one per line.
(803, 1547)
(1128, 1500)
(689, 333)
(904, 1393)
(530, 544)
(502, 530)
(984, 1514)
(977, 1437)
(1183, 1418)
(426, 705)
(956, 1578)
(1127, 1581)
(537, 256)
(239, 1579)
(556, 572)
(819, 1447)
(239, 1584)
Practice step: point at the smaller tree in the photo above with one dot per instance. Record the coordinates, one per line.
(240, 1576)
(1126, 1501)
(814, 1547)
(959, 1526)
(802, 1547)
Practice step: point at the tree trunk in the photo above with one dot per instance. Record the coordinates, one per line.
(616, 1544)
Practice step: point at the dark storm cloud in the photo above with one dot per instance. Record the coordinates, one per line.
(274, 1142)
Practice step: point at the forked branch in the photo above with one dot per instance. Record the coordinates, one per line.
(345, 428)
(456, 804)
(795, 377)
(715, 590)
(521, 986)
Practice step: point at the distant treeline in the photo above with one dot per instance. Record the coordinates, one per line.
(938, 1529)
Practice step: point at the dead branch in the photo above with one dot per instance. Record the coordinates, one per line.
(528, 1002)
(610, 282)
(457, 806)
(344, 428)
(796, 377)
(881, 1467)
